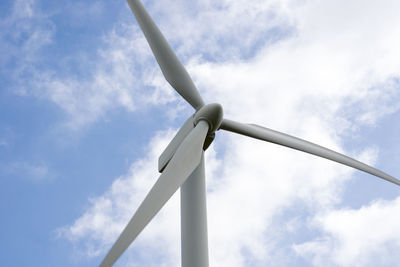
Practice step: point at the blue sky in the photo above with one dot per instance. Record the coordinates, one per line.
(85, 113)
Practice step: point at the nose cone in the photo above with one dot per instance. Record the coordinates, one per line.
(212, 114)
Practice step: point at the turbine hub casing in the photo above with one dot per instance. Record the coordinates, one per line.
(212, 114)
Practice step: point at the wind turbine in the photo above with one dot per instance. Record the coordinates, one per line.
(182, 162)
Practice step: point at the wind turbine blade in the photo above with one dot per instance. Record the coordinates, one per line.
(170, 150)
(173, 70)
(186, 159)
(279, 138)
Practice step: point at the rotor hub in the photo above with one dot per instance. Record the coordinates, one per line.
(212, 114)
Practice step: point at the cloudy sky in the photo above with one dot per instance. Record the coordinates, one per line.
(85, 113)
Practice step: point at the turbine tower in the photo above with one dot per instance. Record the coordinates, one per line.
(182, 162)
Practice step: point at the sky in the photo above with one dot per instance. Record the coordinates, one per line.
(85, 112)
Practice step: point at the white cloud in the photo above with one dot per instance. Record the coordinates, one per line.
(338, 72)
(368, 236)
(23, 33)
(221, 30)
(112, 81)
(106, 81)
(23, 9)
(33, 171)
(96, 230)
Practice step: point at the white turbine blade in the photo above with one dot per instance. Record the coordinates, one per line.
(173, 70)
(279, 138)
(182, 164)
(170, 150)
